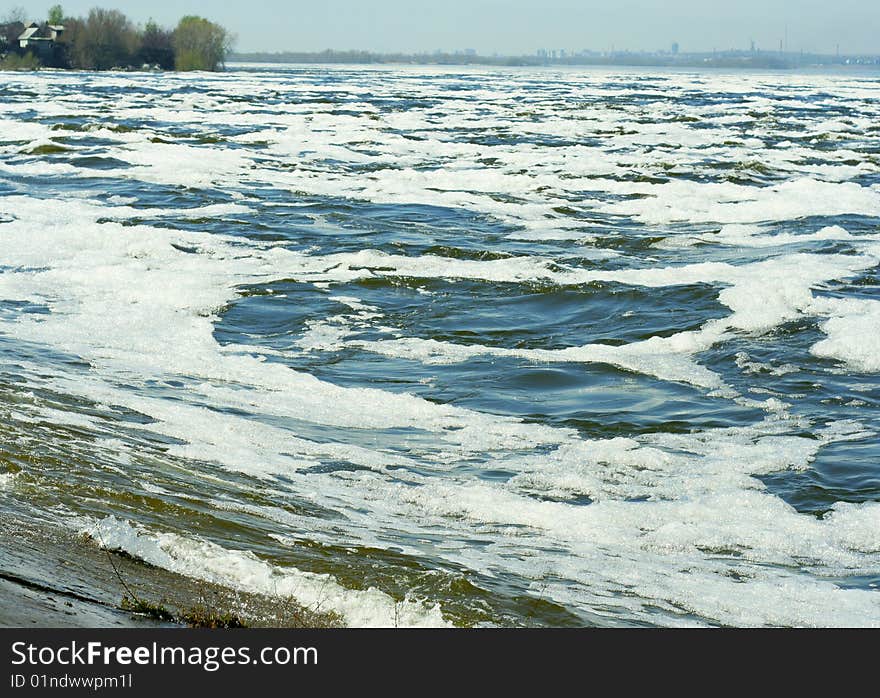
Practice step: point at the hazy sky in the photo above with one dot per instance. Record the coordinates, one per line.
(517, 26)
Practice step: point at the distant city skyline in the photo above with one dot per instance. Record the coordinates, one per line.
(518, 27)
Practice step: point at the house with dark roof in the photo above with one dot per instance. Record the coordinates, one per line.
(41, 40)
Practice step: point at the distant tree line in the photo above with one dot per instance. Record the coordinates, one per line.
(107, 39)
(756, 60)
(368, 57)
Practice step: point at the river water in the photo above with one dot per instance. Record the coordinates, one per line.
(453, 346)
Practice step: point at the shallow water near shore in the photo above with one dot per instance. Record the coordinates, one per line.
(453, 346)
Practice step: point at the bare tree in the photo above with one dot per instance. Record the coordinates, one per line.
(11, 27)
(16, 15)
(156, 46)
(106, 39)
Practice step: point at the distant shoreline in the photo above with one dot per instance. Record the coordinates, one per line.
(756, 60)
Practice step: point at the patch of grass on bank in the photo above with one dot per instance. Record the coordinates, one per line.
(285, 613)
(145, 608)
(199, 616)
(204, 617)
(15, 62)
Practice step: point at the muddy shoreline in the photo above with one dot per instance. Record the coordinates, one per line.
(51, 577)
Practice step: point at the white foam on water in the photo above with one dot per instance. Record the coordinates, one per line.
(180, 164)
(693, 503)
(61, 417)
(13, 131)
(853, 330)
(243, 570)
(87, 211)
(737, 235)
(38, 169)
(744, 362)
(534, 181)
(701, 203)
(323, 335)
(358, 305)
